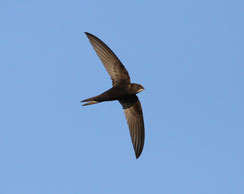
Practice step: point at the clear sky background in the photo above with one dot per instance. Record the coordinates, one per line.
(187, 54)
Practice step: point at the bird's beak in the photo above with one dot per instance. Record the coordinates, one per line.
(140, 90)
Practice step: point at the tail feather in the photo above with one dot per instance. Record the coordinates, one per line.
(90, 101)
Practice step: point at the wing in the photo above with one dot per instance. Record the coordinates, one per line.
(114, 67)
(134, 117)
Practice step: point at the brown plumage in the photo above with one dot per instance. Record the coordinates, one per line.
(123, 90)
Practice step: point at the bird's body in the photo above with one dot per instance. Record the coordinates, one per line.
(114, 93)
(123, 90)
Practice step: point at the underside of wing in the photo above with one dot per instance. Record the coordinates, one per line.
(114, 67)
(134, 116)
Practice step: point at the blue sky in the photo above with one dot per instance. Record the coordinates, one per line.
(187, 54)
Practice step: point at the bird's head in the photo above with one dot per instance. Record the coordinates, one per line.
(136, 88)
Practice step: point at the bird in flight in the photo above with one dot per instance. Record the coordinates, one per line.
(123, 90)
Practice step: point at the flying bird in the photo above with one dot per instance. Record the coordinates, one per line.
(123, 90)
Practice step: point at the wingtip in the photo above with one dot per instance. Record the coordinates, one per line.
(137, 155)
(88, 34)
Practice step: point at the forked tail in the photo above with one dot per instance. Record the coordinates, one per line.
(90, 101)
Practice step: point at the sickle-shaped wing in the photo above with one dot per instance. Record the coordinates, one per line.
(134, 117)
(114, 67)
